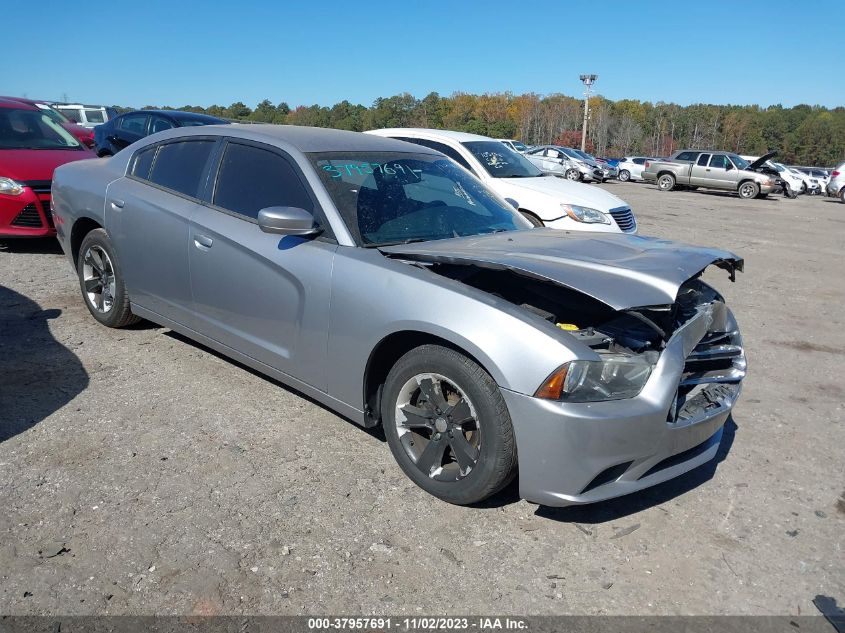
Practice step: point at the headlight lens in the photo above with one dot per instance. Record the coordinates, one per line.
(585, 214)
(615, 377)
(10, 187)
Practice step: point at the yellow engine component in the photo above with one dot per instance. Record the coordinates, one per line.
(569, 327)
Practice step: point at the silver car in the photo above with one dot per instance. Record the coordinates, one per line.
(389, 284)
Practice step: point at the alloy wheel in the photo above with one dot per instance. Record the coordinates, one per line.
(438, 427)
(98, 279)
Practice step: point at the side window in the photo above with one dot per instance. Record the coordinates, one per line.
(702, 160)
(251, 179)
(95, 116)
(133, 123)
(179, 165)
(719, 161)
(443, 149)
(143, 161)
(159, 124)
(639, 161)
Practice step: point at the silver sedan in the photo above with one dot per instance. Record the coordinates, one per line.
(386, 282)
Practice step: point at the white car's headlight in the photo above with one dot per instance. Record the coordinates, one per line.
(585, 214)
(10, 187)
(615, 377)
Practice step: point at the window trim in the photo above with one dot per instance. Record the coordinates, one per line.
(181, 139)
(210, 186)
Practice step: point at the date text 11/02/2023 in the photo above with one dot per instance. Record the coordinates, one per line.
(420, 623)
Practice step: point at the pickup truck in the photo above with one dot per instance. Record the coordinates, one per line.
(711, 170)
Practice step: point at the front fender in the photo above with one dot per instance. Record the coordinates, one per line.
(374, 297)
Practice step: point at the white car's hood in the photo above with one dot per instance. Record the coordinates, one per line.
(559, 191)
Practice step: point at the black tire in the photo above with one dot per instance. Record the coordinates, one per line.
(495, 448)
(92, 268)
(624, 175)
(574, 175)
(537, 222)
(665, 182)
(842, 195)
(748, 190)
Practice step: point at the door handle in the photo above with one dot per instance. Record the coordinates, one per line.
(203, 241)
(117, 204)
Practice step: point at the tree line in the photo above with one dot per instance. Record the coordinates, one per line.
(803, 134)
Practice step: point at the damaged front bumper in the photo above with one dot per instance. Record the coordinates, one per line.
(583, 453)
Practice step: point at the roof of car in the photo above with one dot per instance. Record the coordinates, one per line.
(305, 139)
(178, 114)
(11, 102)
(460, 137)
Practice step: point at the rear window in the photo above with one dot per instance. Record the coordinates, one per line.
(179, 166)
(95, 116)
(143, 162)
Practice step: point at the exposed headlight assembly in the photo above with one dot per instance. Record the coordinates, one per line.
(585, 214)
(615, 377)
(10, 187)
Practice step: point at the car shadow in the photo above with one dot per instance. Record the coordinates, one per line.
(620, 507)
(37, 246)
(376, 432)
(38, 375)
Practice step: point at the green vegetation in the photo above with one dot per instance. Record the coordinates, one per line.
(805, 135)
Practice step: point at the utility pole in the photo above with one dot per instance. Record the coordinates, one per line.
(588, 81)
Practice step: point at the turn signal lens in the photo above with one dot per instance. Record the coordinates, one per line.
(552, 387)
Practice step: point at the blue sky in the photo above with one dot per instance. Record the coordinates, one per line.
(177, 53)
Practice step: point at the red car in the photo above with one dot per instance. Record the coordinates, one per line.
(32, 145)
(83, 134)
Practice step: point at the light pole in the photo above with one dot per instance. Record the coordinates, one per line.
(588, 81)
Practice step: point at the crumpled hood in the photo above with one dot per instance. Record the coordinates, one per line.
(569, 192)
(622, 271)
(37, 164)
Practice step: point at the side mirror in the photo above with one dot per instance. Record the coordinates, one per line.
(287, 221)
(512, 202)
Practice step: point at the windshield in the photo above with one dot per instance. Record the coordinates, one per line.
(32, 129)
(500, 161)
(739, 161)
(584, 155)
(395, 197)
(57, 116)
(571, 153)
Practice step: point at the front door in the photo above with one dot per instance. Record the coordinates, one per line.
(261, 294)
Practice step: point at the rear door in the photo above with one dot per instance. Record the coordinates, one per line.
(147, 216)
(700, 172)
(128, 129)
(262, 294)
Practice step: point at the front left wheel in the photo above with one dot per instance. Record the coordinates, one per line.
(448, 426)
(748, 190)
(624, 175)
(101, 281)
(537, 222)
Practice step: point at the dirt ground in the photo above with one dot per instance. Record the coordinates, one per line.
(143, 474)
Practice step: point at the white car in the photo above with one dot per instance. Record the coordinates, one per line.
(821, 175)
(796, 182)
(544, 200)
(85, 115)
(631, 168)
(836, 185)
(811, 183)
(517, 146)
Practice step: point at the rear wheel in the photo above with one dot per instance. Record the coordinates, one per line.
(666, 182)
(842, 195)
(748, 189)
(573, 174)
(448, 426)
(624, 175)
(532, 218)
(101, 281)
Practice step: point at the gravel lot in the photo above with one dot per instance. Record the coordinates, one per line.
(141, 473)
